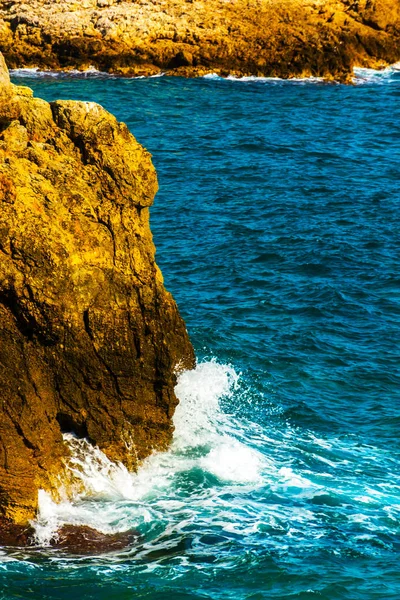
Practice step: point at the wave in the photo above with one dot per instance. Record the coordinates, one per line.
(225, 476)
(89, 73)
(364, 76)
(201, 441)
(361, 76)
(255, 78)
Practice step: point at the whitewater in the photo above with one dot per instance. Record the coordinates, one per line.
(215, 457)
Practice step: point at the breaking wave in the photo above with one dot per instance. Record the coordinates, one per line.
(364, 76)
(224, 475)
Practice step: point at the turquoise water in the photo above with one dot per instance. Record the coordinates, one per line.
(277, 230)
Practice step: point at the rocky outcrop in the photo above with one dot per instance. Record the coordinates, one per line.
(90, 341)
(261, 37)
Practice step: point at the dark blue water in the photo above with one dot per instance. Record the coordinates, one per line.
(277, 231)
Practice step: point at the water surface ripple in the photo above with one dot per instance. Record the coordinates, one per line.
(277, 230)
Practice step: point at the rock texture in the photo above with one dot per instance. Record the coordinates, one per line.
(90, 340)
(72, 539)
(191, 37)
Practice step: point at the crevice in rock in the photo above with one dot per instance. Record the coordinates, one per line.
(25, 322)
(4, 124)
(25, 440)
(97, 353)
(18, 427)
(69, 425)
(111, 232)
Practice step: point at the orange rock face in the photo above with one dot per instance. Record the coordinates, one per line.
(90, 340)
(261, 37)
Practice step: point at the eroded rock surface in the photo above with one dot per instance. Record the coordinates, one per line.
(90, 340)
(261, 37)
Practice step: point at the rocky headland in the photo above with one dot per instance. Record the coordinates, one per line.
(90, 340)
(285, 38)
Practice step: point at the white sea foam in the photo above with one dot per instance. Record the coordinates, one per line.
(255, 78)
(232, 461)
(90, 72)
(130, 499)
(218, 472)
(198, 413)
(310, 79)
(36, 72)
(381, 76)
(212, 76)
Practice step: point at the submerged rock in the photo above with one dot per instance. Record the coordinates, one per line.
(73, 539)
(90, 340)
(291, 38)
(83, 540)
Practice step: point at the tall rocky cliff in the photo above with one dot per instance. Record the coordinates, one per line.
(282, 38)
(90, 341)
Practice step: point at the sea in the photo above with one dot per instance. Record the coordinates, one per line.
(277, 231)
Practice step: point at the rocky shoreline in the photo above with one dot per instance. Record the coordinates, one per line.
(90, 340)
(292, 38)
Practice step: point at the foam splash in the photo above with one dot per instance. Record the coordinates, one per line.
(89, 73)
(232, 461)
(219, 473)
(201, 441)
(364, 76)
(198, 414)
(36, 72)
(256, 79)
(247, 78)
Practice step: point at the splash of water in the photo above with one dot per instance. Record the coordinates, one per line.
(220, 471)
(201, 441)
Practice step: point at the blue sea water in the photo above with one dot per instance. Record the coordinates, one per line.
(277, 231)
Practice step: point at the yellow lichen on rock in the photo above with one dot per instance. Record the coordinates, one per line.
(89, 337)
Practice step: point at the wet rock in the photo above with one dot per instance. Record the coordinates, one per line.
(83, 540)
(15, 535)
(73, 539)
(90, 340)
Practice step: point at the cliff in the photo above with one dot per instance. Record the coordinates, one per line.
(262, 37)
(89, 338)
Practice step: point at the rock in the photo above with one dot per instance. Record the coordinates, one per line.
(90, 340)
(5, 85)
(16, 535)
(291, 38)
(181, 59)
(74, 539)
(83, 540)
